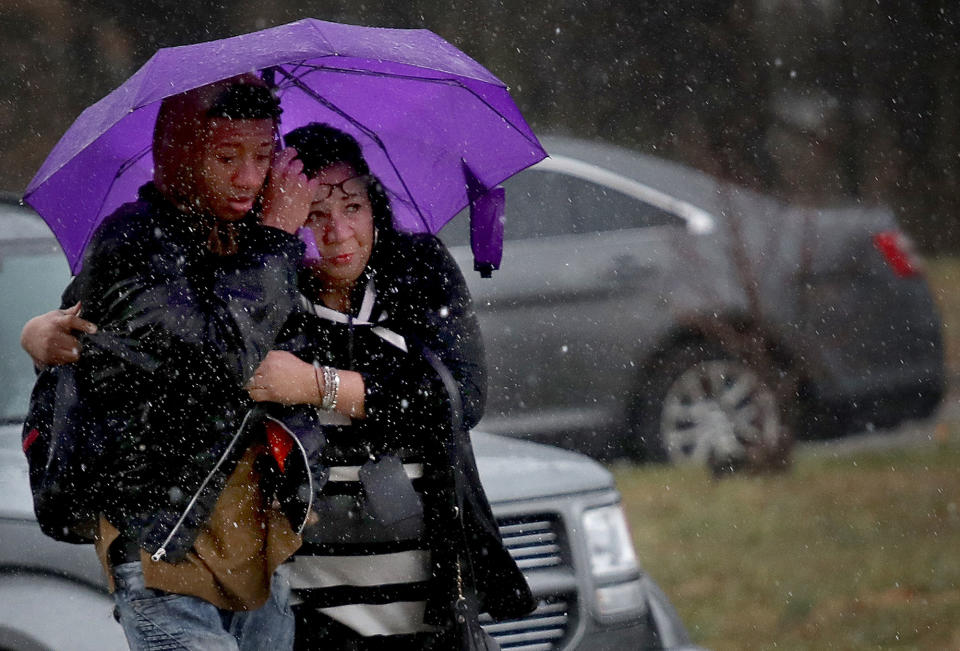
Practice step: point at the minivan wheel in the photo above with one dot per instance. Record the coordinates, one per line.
(704, 405)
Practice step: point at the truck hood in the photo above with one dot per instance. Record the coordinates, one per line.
(512, 470)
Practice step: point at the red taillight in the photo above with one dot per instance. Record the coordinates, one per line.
(898, 251)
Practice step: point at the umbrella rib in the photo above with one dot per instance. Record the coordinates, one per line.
(296, 81)
(294, 71)
(130, 162)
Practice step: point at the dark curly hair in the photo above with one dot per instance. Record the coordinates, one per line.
(321, 145)
(245, 102)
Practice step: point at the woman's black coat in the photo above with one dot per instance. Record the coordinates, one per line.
(421, 296)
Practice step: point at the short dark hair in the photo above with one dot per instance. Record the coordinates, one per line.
(321, 145)
(245, 102)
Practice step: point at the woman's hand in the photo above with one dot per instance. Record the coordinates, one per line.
(50, 338)
(283, 377)
(288, 194)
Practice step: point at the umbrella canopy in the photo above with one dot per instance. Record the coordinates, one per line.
(430, 119)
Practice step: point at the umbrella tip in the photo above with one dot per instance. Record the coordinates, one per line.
(484, 268)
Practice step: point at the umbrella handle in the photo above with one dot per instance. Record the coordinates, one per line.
(487, 205)
(486, 230)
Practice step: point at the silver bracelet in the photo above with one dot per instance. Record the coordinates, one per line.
(316, 376)
(331, 386)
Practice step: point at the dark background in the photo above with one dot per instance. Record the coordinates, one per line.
(812, 100)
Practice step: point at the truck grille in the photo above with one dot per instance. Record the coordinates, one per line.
(533, 543)
(541, 630)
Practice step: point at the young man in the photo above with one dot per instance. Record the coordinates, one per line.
(189, 291)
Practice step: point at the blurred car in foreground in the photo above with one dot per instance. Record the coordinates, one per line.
(645, 308)
(558, 511)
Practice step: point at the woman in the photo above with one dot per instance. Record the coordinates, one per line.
(404, 535)
(189, 292)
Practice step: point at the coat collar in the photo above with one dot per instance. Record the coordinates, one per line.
(363, 318)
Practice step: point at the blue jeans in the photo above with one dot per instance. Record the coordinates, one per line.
(154, 620)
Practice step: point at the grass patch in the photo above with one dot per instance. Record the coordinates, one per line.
(943, 274)
(852, 552)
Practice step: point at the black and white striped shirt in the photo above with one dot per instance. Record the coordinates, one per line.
(359, 565)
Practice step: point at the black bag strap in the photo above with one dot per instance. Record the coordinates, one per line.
(450, 384)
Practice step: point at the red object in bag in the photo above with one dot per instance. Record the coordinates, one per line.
(279, 442)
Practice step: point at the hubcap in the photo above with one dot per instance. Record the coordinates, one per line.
(717, 410)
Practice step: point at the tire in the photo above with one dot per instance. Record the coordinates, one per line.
(699, 403)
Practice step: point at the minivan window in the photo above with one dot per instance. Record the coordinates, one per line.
(542, 203)
(562, 204)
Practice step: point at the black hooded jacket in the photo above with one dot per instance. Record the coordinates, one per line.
(181, 330)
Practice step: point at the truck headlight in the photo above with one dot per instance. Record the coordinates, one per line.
(608, 542)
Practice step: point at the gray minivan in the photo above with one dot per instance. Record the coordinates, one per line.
(644, 307)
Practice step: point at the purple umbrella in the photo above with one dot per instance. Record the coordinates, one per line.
(437, 127)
